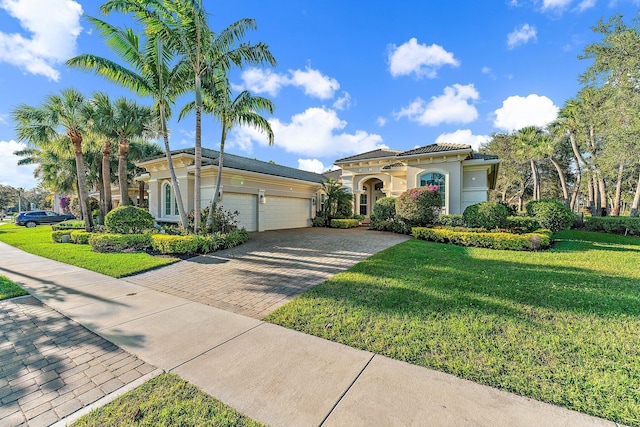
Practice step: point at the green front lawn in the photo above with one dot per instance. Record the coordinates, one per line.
(38, 241)
(562, 326)
(166, 400)
(8, 289)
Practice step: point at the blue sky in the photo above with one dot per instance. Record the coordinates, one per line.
(351, 76)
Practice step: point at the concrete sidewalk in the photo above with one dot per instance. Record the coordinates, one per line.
(272, 374)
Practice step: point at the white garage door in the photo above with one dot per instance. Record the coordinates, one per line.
(246, 205)
(286, 212)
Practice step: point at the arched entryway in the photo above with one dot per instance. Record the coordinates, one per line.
(369, 192)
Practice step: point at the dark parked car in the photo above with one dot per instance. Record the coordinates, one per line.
(32, 218)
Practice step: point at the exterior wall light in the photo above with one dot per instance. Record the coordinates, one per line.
(263, 199)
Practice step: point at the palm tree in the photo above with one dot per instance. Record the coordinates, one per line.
(528, 140)
(151, 74)
(183, 25)
(241, 111)
(55, 169)
(121, 121)
(38, 125)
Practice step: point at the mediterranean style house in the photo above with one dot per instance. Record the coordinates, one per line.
(268, 196)
(462, 176)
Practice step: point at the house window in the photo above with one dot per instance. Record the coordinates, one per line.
(363, 204)
(169, 199)
(437, 179)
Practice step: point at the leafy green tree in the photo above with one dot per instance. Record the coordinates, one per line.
(154, 72)
(39, 125)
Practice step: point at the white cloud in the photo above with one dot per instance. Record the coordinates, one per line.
(453, 106)
(311, 165)
(381, 121)
(555, 4)
(52, 27)
(3, 119)
(314, 132)
(518, 112)
(463, 136)
(521, 35)
(586, 4)
(311, 81)
(419, 59)
(12, 174)
(343, 103)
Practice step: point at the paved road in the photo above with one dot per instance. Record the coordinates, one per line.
(257, 277)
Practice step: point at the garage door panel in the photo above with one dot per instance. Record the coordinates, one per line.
(286, 212)
(246, 205)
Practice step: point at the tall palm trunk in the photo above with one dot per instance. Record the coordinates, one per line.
(616, 202)
(123, 151)
(197, 193)
(596, 196)
(83, 194)
(602, 188)
(106, 177)
(172, 171)
(576, 187)
(563, 181)
(216, 193)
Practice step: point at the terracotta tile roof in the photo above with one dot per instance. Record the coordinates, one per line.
(394, 165)
(435, 148)
(375, 154)
(210, 157)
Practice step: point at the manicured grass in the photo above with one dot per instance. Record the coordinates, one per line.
(562, 326)
(8, 289)
(38, 241)
(166, 400)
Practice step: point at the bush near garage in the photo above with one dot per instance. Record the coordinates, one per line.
(540, 239)
(120, 242)
(344, 223)
(487, 215)
(128, 220)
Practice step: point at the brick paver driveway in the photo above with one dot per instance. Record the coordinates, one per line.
(50, 366)
(255, 278)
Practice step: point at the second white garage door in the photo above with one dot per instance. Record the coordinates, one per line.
(247, 207)
(286, 212)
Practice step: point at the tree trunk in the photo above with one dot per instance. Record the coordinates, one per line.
(197, 195)
(214, 199)
(172, 171)
(602, 186)
(106, 176)
(576, 188)
(123, 181)
(83, 194)
(536, 180)
(636, 200)
(618, 197)
(595, 207)
(563, 182)
(141, 203)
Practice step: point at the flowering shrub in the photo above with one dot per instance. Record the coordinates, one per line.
(419, 206)
(224, 221)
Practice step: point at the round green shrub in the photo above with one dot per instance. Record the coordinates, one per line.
(128, 220)
(420, 206)
(385, 208)
(551, 214)
(487, 215)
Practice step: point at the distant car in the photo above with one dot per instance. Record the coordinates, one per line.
(32, 218)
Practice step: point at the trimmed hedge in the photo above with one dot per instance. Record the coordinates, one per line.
(59, 236)
(128, 220)
(624, 225)
(524, 224)
(494, 240)
(70, 224)
(170, 244)
(451, 220)
(488, 215)
(344, 223)
(120, 242)
(80, 237)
